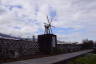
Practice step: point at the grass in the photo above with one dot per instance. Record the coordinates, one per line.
(87, 59)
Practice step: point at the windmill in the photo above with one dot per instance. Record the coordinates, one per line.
(48, 26)
(48, 40)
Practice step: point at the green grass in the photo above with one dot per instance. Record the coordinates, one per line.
(87, 59)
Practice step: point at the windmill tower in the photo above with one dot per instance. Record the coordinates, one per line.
(47, 41)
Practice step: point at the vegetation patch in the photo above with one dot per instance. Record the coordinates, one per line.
(87, 59)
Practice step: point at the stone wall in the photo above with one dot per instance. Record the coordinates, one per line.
(12, 48)
(65, 48)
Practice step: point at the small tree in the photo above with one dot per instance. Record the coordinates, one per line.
(87, 44)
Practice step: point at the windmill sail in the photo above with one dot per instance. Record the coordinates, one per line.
(48, 26)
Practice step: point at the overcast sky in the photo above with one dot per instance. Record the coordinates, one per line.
(75, 20)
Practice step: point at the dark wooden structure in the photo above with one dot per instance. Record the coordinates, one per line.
(47, 43)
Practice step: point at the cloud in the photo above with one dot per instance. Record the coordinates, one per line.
(25, 17)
